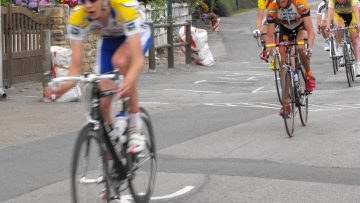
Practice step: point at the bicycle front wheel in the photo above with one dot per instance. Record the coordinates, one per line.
(348, 65)
(89, 172)
(303, 100)
(143, 166)
(333, 55)
(289, 99)
(277, 64)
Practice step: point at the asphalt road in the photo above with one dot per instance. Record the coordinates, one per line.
(218, 131)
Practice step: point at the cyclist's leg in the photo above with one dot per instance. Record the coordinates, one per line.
(283, 36)
(305, 60)
(354, 35)
(107, 48)
(339, 22)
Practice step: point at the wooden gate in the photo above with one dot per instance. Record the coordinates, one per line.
(22, 50)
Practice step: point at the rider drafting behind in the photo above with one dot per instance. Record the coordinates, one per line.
(293, 15)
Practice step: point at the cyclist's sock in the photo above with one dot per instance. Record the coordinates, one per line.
(135, 120)
(309, 74)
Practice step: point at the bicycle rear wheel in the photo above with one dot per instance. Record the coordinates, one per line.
(289, 119)
(277, 64)
(333, 55)
(143, 166)
(89, 172)
(303, 100)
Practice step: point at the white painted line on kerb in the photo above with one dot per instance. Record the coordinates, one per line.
(127, 198)
(200, 81)
(258, 89)
(197, 91)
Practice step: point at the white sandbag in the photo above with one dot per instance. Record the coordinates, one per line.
(60, 56)
(60, 62)
(201, 54)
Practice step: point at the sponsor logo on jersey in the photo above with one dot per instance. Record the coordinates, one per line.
(272, 11)
(301, 6)
(131, 26)
(75, 31)
(304, 11)
(270, 18)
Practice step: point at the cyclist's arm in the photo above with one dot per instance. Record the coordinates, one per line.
(330, 16)
(260, 18)
(309, 28)
(318, 21)
(355, 9)
(75, 68)
(270, 33)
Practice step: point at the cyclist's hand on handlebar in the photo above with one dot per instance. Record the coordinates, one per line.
(52, 93)
(308, 52)
(256, 33)
(125, 87)
(357, 28)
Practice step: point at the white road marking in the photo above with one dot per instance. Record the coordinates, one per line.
(153, 103)
(197, 91)
(228, 78)
(200, 81)
(312, 107)
(237, 82)
(26, 96)
(127, 198)
(175, 194)
(276, 105)
(251, 78)
(256, 90)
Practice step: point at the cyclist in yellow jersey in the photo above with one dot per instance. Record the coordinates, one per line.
(261, 24)
(346, 13)
(124, 39)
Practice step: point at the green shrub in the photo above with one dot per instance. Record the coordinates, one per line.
(5, 2)
(224, 8)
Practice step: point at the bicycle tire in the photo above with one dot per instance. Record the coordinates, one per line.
(290, 119)
(137, 194)
(277, 64)
(353, 62)
(303, 100)
(98, 184)
(347, 65)
(333, 55)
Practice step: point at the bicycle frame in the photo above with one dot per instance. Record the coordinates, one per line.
(97, 120)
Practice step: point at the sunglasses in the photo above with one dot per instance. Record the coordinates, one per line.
(91, 1)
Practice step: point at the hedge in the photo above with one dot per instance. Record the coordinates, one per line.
(227, 7)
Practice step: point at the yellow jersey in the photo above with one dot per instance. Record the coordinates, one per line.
(126, 18)
(263, 4)
(345, 8)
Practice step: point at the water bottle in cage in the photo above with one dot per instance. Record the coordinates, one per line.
(121, 120)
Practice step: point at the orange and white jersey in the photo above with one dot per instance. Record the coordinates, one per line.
(290, 17)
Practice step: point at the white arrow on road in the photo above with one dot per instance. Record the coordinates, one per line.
(127, 198)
